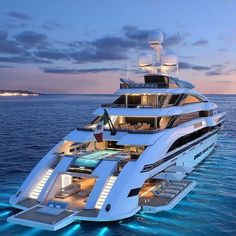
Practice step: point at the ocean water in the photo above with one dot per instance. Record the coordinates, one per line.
(30, 126)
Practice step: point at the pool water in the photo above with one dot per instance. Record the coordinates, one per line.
(91, 160)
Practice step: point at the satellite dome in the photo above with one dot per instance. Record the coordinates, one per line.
(144, 59)
(155, 37)
(169, 60)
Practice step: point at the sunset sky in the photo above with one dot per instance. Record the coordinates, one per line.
(72, 46)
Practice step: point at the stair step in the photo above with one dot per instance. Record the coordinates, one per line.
(37, 190)
(105, 192)
(41, 184)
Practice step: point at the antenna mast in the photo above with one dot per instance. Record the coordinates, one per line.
(177, 65)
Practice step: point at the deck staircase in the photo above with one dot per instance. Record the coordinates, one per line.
(106, 190)
(35, 193)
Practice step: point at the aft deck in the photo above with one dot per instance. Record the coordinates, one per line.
(77, 201)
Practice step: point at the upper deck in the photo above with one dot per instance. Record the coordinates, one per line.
(158, 84)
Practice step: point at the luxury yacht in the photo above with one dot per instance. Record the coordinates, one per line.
(134, 156)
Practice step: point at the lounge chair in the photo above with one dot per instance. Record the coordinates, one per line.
(177, 187)
(179, 183)
(169, 190)
(166, 195)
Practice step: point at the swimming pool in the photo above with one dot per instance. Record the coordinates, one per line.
(92, 159)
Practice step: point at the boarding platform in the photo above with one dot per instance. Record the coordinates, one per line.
(52, 217)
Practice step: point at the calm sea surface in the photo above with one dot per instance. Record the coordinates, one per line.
(30, 126)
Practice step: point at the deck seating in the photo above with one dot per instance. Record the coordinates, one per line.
(139, 126)
(156, 191)
(53, 208)
(68, 191)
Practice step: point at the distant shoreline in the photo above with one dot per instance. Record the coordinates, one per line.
(11, 93)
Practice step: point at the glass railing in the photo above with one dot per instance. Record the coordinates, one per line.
(148, 85)
(113, 105)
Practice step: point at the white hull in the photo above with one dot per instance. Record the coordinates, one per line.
(155, 133)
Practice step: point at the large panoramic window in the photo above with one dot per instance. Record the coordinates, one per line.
(191, 99)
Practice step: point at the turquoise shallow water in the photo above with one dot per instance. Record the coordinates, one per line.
(30, 126)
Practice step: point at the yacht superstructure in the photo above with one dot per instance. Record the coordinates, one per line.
(133, 157)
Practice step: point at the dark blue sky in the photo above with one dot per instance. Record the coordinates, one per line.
(76, 46)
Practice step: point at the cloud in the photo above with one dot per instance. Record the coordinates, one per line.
(135, 37)
(31, 39)
(195, 67)
(106, 48)
(3, 35)
(140, 37)
(52, 54)
(50, 25)
(111, 42)
(58, 70)
(220, 69)
(224, 81)
(211, 73)
(133, 32)
(216, 72)
(97, 55)
(10, 47)
(19, 15)
(222, 50)
(172, 40)
(5, 67)
(184, 65)
(15, 25)
(24, 59)
(200, 42)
